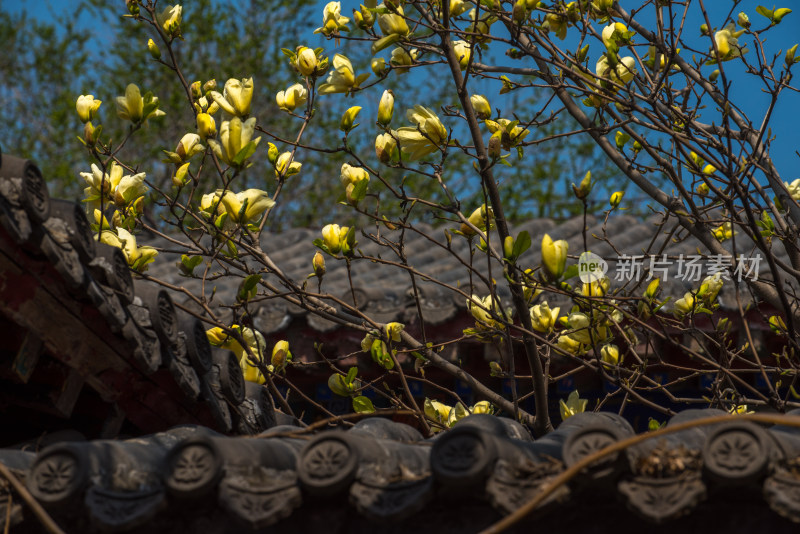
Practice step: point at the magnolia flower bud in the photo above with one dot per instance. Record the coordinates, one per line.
(585, 187)
(386, 148)
(319, 264)
(378, 66)
(386, 108)
(743, 20)
(181, 175)
(616, 198)
(87, 106)
(610, 354)
(554, 256)
(281, 355)
(170, 20)
(481, 106)
(133, 7)
(543, 319)
(206, 126)
(349, 116)
(463, 52)
(306, 62)
(152, 47)
(331, 238)
(91, 134)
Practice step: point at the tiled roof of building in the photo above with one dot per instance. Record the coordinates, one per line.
(82, 336)
(382, 475)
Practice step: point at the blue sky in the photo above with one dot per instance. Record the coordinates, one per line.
(745, 89)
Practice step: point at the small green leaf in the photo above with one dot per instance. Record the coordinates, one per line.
(244, 153)
(351, 375)
(571, 272)
(248, 288)
(362, 404)
(522, 243)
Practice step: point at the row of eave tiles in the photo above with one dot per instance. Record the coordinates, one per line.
(383, 474)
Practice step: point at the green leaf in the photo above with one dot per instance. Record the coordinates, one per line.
(189, 263)
(571, 272)
(362, 404)
(351, 375)
(244, 153)
(248, 288)
(522, 243)
(359, 191)
(761, 10)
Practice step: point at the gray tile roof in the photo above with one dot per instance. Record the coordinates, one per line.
(381, 474)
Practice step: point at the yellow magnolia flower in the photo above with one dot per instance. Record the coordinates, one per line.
(610, 354)
(794, 189)
(281, 356)
(437, 411)
(235, 144)
(348, 118)
(710, 287)
(152, 47)
(621, 73)
(306, 62)
(393, 331)
(318, 263)
(684, 305)
(458, 7)
(112, 186)
(341, 79)
(135, 108)
(463, 52)
(180, 178)
(543, 319)
(285, 166)
(554, 256)
(481, 310)
(581, 327)
(425, 138)
(206, 126)
(477, 219)
(569, 344)
(394, 23)
(206, 105)
(616, 198)
(728, 43)
(170, 20)
(386, 108)
(87, 106)
(138, 257)
(246, 206)
(188, 146)
(575, 404)
(352, 175)
(378, 66)
(386, 148)
(723, 232)
(481, 106)
(614, 34)
(293, 97)
(482, 407)
(334, 237)
(236, 96)
(253, 339)
(596, 288)
(332, 20)
(401, 59)
(557, 23)
(508, 132)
